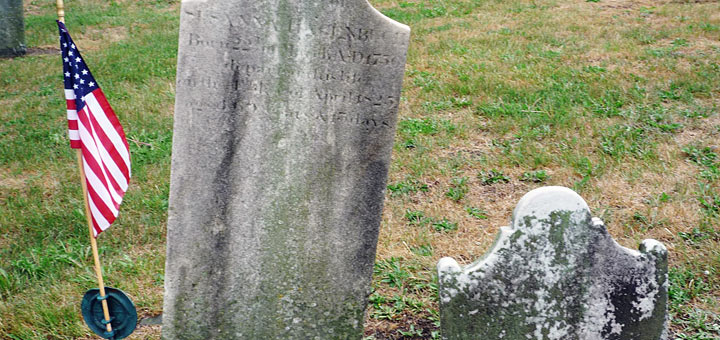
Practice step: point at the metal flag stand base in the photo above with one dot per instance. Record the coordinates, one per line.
(124, 316)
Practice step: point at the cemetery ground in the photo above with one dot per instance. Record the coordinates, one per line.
(616, 99)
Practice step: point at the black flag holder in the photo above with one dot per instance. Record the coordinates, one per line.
(124, 316)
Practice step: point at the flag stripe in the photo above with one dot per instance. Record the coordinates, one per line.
(94, 182)
(99, 222)
(102, 210)
(122, 149)
(111, 158)
(93, 171)
(116, 137)
(96, 228)
(72, 119)
(109, 184)
(109, 152)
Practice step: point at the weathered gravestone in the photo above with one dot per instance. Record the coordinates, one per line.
(556, 273)
(284, 124)
(12, 29)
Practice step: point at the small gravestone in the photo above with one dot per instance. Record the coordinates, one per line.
(284, 124)
(556, 273)
(12, 29)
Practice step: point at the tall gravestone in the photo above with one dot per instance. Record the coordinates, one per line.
(556, 273)
(284, 122)
(12, 29)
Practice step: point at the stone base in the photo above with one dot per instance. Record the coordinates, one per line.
(13, 52)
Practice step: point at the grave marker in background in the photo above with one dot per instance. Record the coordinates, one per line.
(284, 124)
(12, 29)
(556, 273)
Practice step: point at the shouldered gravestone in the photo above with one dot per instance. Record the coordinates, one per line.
(284, 121)
(12, 29)
(556, 273)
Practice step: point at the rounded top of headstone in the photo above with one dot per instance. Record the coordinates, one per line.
(539, 203)
(396, 24)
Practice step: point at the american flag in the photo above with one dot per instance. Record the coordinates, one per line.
(96, 131)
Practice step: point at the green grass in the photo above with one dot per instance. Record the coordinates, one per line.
(458, 188)
(407, 187)
(620, 103)
(537, 176)
(492, 177)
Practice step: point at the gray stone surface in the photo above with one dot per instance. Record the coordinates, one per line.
(556, 273)
(284, 124)
(12, 28)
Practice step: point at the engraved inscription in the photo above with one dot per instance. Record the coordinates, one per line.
(371, 58)
(329, 53)
(368, 120)
(332, 31)
(211, 83)
(374, 100)
(245, 68)
(342, 54)
(345, 76)
(237, 43)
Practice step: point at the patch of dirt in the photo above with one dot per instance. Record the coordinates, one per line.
(43, 50)
(413, 327)
(96, 38)
(146, 332)
(32, 9)
(11, 182)
(628, 4)
(700, 133)
(693, 1)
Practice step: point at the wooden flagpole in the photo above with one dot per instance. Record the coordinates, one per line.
(61, 11)
(93, 241)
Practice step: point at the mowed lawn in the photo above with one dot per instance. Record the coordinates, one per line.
(616, 99)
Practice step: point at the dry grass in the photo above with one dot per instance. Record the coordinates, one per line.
(646, 39)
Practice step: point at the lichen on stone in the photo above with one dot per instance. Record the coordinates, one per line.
(555, 273)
